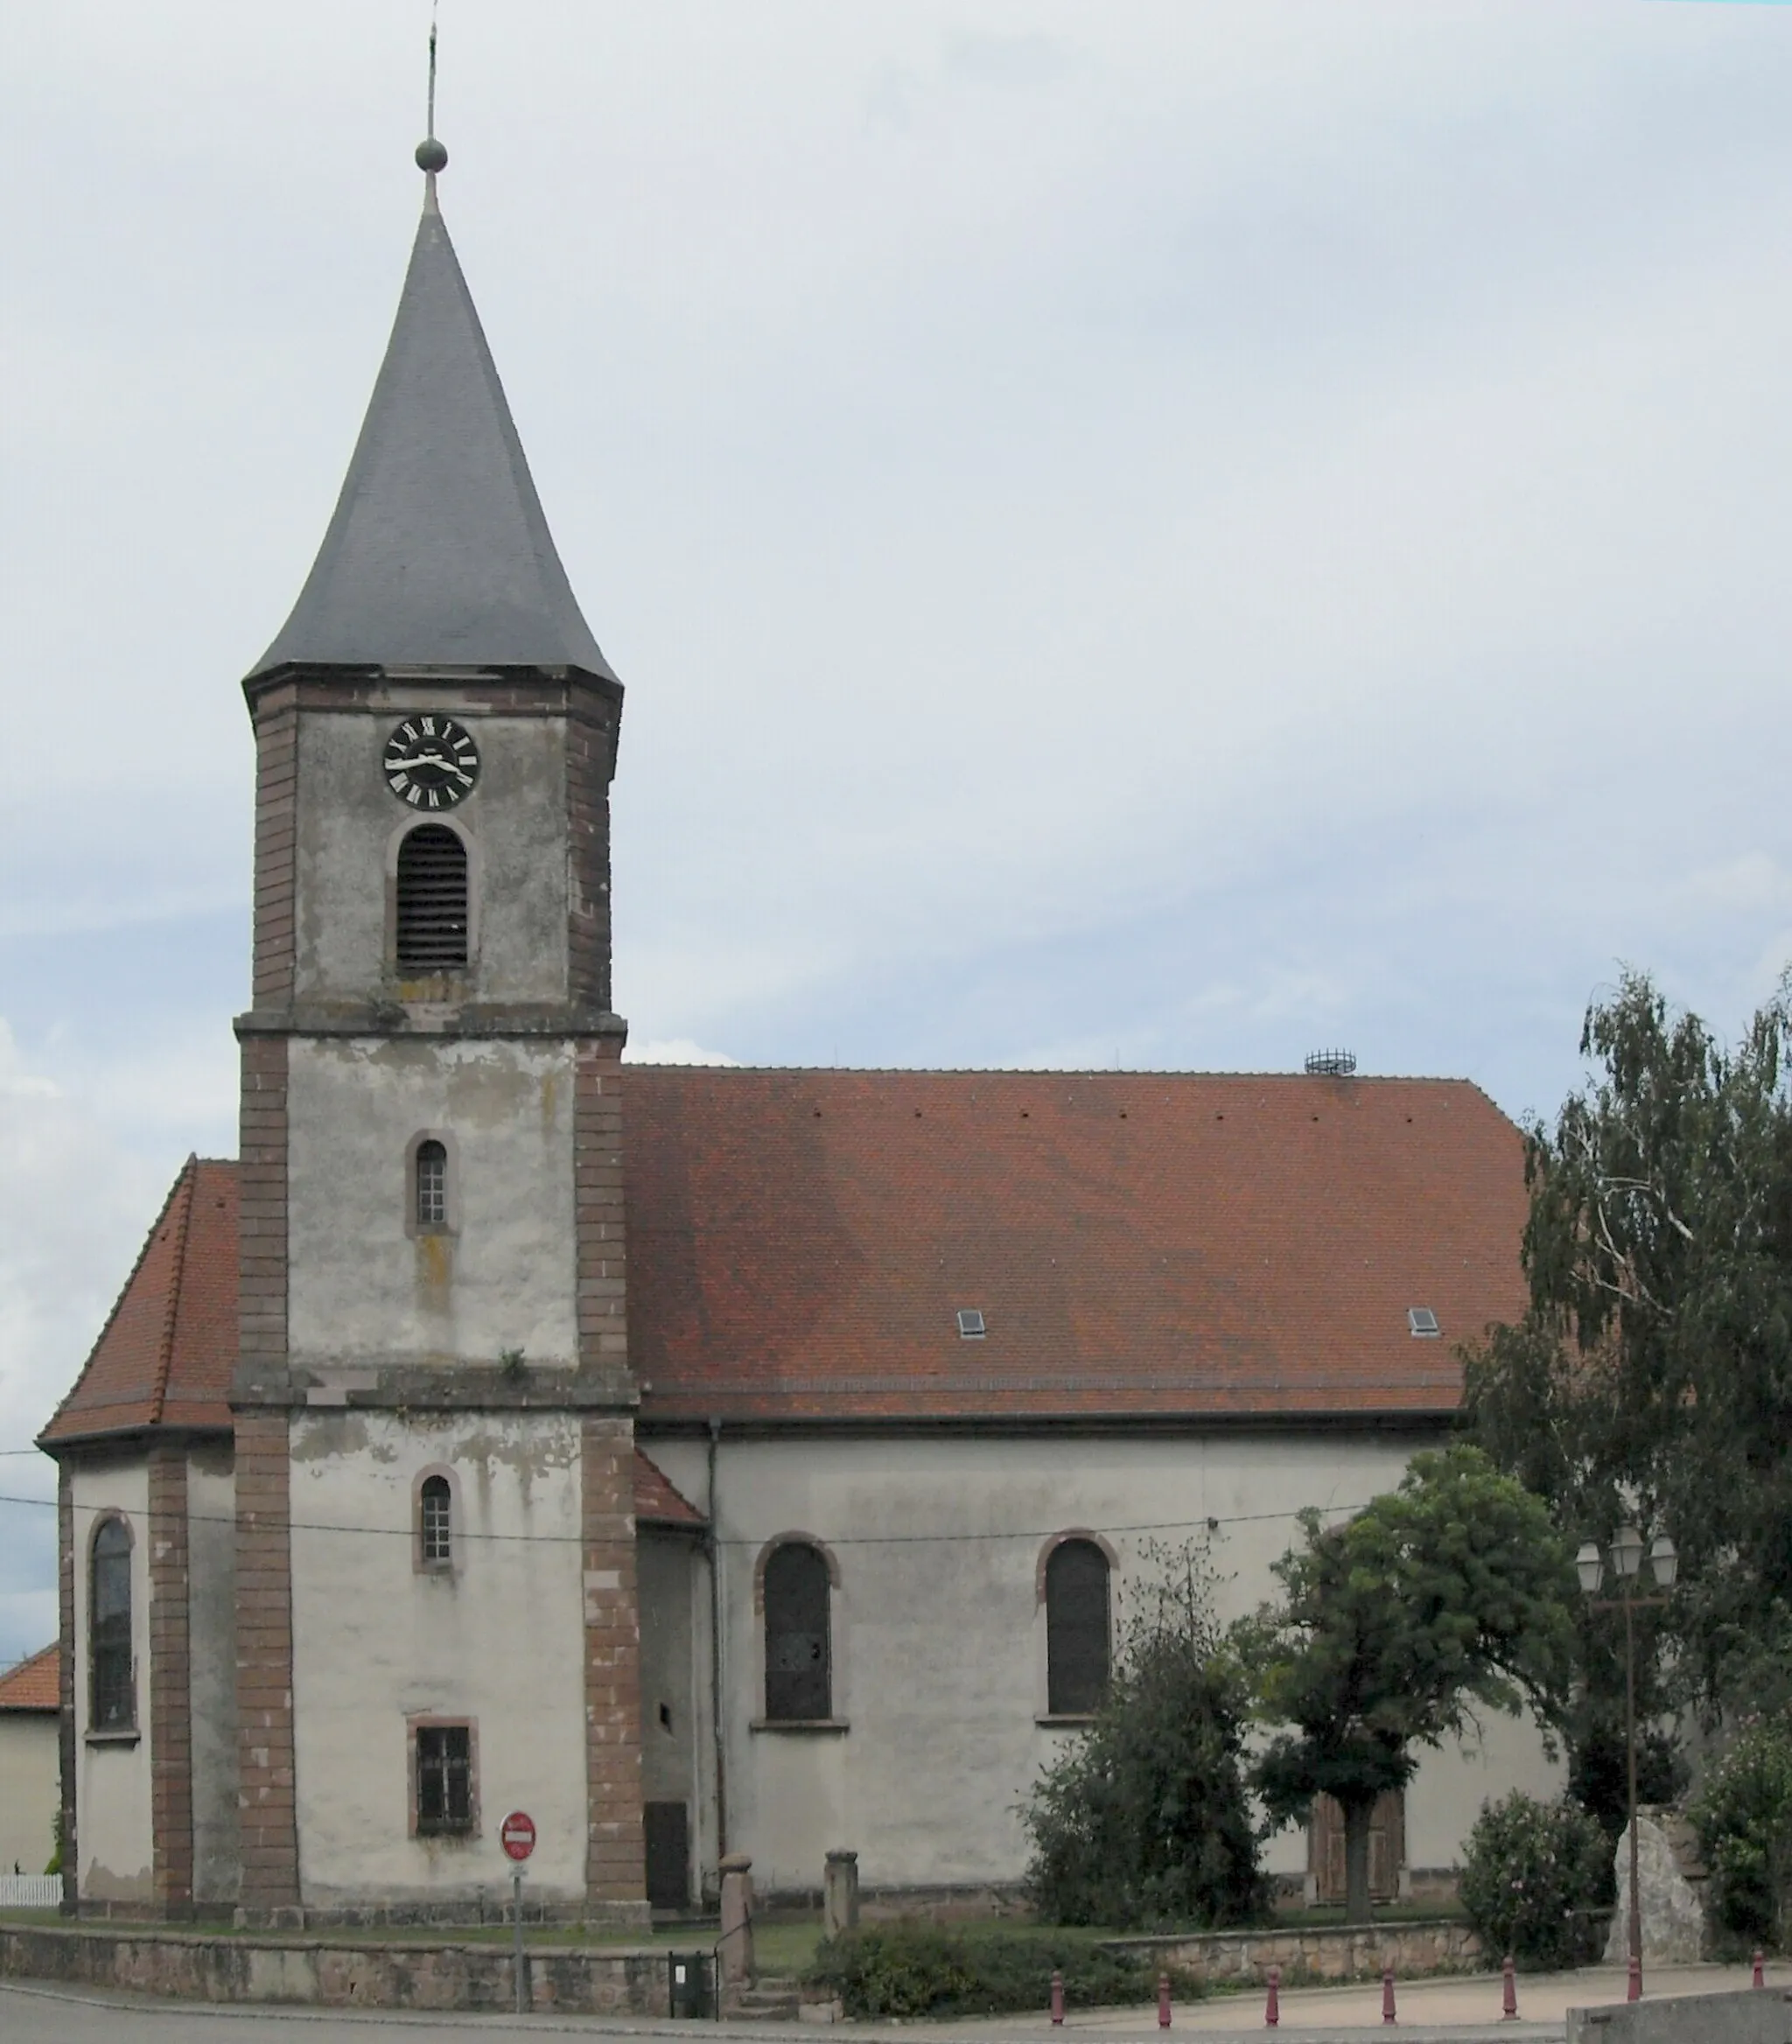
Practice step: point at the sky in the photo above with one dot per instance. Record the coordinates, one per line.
(1169, 535)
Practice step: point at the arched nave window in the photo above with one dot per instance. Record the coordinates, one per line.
(798, 1654)
(1077, 1632)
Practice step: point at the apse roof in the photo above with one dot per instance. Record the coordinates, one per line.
(166, 1355)
(439, 553)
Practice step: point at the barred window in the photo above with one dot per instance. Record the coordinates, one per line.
(431, 1185)
(1076, 1629)
(432, 899)
(799, 1675)
(443, 1778)
(114, 1700)
(436, 1506)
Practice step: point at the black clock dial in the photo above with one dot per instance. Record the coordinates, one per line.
(430, 762)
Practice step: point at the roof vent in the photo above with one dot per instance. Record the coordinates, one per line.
(970, 1323)
(1423, 1322)
(1331, 1064)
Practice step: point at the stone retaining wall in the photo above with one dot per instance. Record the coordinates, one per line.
(1336, 1952)
(188, 1966)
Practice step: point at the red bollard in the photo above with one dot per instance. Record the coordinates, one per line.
(1272, 2014)
(1057, 1998)
(1509, 1995)
(1162, 2001)
(1388, 2015)
(1633, 1991)
(1760, 1978)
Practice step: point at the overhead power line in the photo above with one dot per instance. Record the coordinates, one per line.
(1207, 1522)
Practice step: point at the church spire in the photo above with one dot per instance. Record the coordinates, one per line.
(439, 554)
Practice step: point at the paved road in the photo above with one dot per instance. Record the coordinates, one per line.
(1432, 2011)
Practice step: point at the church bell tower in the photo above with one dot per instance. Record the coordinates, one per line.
(435, 1559)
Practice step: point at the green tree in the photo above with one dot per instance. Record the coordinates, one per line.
(1146, 1818)
(1451, 1593)
(1650, 1378)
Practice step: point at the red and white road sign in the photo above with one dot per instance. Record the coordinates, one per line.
(517, 1834)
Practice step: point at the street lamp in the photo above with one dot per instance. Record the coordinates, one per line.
(1627, 1560)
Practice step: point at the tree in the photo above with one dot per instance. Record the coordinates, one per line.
(1650, 1378)
(1450, 1593)
(1146, 1819)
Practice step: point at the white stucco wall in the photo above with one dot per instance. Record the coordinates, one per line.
(349, 823)
(365, 1289)
(29, 1790)
(115, 1852)
(939, 1638)
(211, 1507)
(375, 1642)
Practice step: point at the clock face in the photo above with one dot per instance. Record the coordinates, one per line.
(430, 762)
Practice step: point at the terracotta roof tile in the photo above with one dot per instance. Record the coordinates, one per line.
(800, 1242)
(34, 1684)
(656, 1501)
(166, 1355)
(1140, 1245)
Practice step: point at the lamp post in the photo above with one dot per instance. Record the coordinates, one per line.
(1626, 1560)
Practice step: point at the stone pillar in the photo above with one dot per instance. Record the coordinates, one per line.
(736, 1964)
(171, 1682)
(615, 1847)
(840, 1894)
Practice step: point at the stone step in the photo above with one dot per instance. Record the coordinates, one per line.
(770, 1999)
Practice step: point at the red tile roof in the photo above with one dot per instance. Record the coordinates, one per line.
(34, 1684)
(166, 1356)
(656, 1501)
(1140, 1245)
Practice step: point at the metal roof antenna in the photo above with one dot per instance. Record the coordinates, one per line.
(430, 155)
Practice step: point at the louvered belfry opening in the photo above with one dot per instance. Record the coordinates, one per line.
(432, 903)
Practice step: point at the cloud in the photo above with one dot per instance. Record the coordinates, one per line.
(675, 1050)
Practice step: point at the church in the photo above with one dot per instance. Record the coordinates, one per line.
(705, 1462)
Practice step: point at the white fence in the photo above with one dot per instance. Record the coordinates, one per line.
(31, 1891)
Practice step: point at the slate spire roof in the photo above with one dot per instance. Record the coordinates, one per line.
(439, 554)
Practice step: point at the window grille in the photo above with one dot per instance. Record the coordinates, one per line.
(799, 1674)
(431, 1185)
(437, 1502)
(432, 899)
(1076, 1629)
(443, 1778)
(109, 1631)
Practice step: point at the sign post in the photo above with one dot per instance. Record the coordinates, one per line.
(517, 1836)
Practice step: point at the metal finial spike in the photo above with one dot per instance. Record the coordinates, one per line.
(430, 128)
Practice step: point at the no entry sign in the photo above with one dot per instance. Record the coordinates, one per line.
(517, 1834)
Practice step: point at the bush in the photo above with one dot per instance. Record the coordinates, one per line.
(1743, 1815)
(1532, 1876)
(1144, 1820)
(913, 1967)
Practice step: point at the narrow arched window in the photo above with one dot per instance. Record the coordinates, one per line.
(114, 1702)
(435, 1530)
(1076, 1629)
(432, 899)
(431, 1184)
(798, 1673)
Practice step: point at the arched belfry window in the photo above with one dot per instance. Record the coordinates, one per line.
(799, 1657)
(1076, 1629)
(112, 1676)
(431, 1188)
(432, 899)
(436, 1527)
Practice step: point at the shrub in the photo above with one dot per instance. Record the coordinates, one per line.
(1743, 1815)
(1532, 1876)
(913, 1967)
(1144, 1820)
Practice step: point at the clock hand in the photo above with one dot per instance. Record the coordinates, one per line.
(415, 760)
